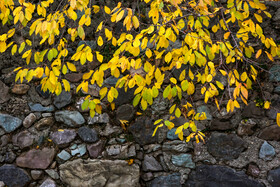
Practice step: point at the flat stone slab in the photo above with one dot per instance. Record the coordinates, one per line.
(9, 123)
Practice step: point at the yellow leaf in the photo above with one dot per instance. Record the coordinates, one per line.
(100, 41)
(135, 22)
(226, 35)
(148, 53)
(120, 16)
(103, 92)
(258, 17)
(269, 56)
(266, 104)
(168, 57)
(107, 10)
(220, 85)
(99, 56)
(108, 34)
(173, 80)
(14, 49)
(71, 66)
(155, 130)
(66, 85)
(22, 46)
(209, 78)
(99, 26)
(95, 8)
(224, 73)
(278, 119)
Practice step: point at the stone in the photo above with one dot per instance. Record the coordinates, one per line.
(183, 160)
(43, 94)
(98, 173)
(98, 118)
(177, 146)
(79, 151)
(274, 109)
(204, 108)
(124, 151)
(270, 133)
(151, 164)
(52, 173)
(48, 183)
(70, 118)
(274, 73)
(221, 125)
(9, 157)
(253, 170)
(111, 81)
(246, 127)
(252, 111)
(64, 155)
(267, 152)
(36, 174)
(124, 97)
(147, 176)
(20, 89)
(37, 107)
(2, 184)
(79, 103)
(142, 130)
(36, 98)
(93, 90)
(111, 130)
(62, 100)
(74, 77)
(87, 134)
(64, 136)
(29, 120)
(4, 93)
(159, 105)
(276, 90)
(171, 134)
(215, 175)
(166, 181)
(96, 149)
(125, 112)
(4, 140)
(23, 139)
(14, 176)
(36, 158)
(9, 123)
(225, 146)
(44, 123)
(273, 177)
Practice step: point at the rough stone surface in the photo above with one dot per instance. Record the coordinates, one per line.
(64, 155)
(36, 159)
(270, 133)
(62, 100)
(43, 94)
(183, 160)
(70, 118)
(177, 146)
(36, 174)
(98, 173)
(111, 130)
(13, 176)
(151, 164)
(23, 139)
(99, 118)
(79, 150)
(204, 108)
(166, 181)
(273, 177)
(124, 97)
(221, 125)
(74, 77)
(44, 123)
(225, 146)
(52, 173)
(20, 89)
(246, 128)
(96, 149)
(275, 73)
(88, 135)
(124, 151)
(4, 93)
(36, 98)
(9, 123)
(267, 152)
(125, 112)
(215, 175)
(142, 130)
(253, 170)
(48, 183)
(252, 111)
(29, 120)
(171, 134)
(37, 107)
(64, 136)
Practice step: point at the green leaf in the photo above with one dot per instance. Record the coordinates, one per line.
(166, 91)
(185, 85)
(85, 104)
(171, 110)
(50, 55)
(178, 112)
(136, 100)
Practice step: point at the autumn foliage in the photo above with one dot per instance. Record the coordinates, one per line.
(213, 37)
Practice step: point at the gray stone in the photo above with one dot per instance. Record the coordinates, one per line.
(111, 130)
(23, 139)
(159, 105)
(177, 146)
(267, 152)
(183, 160)
(48, 183)
(147, 176)
(36, 98)
(274, 109)
(225, 146)
(44, 94)
(37, 107)
(36, 174)
(142, 130)
(270, 133)
(166, 181)
(99, 173)
(79, 151)
(63, 136)
(2, 184)
(204, 108)
(245, 128)
(9, 157)
(70, 118)
(52, 173)
(151, 164)
(74, 77)
(96, 149)
(36, 159)
(125, 112)
(4, 93)
(20, 89)
(62, 100)
(221, 125)
(64, 155)
(171, 134)
(215, 175)
(44, 123)
(124, 151)
(252, 111)
(99, 118)
(277, 90)
(93, 90)
(273, 177)
(9, 123)
(13, 176)
(253, 170)
(88, 135)
(124, 97)
(274, 73)
(29, 120)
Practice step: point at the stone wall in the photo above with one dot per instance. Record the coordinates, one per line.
(48, 140)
